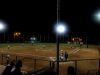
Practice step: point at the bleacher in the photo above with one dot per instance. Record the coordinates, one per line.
(2, 67)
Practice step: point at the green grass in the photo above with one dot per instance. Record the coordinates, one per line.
(43, 44)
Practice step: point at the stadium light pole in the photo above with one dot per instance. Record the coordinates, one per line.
(60, 28)
(96, 18)
(57, 37)
(3, 28)
(86, 41)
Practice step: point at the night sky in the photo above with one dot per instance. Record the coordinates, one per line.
(39, 16)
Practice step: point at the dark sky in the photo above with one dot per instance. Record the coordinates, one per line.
(39, 16)
(29, 16)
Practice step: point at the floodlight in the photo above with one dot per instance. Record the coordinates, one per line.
(61, 28)
(2, 26)
(96, 16)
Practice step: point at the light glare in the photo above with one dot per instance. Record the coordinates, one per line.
(2, 26)
(96, 16)
(61, 28)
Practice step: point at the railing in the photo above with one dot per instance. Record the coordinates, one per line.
(93, 72)
(83, 65)
(32, 64)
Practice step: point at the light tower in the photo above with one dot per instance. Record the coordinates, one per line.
(60, 28)
(96, 18)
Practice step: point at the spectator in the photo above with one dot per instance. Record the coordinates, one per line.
(66, 55)
(71, 70)
(17, 69)
(8, 68)
(8, 59)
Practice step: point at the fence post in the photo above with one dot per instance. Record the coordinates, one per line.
(50, 64)
(75, 67)
(16, 58)
(34, 66)
(2, 59)
(99, 58)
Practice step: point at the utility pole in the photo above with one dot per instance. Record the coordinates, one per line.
(86, 41)
(57, 37)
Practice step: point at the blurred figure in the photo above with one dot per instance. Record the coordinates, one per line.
(17, 69)
(8, 68)
(81, 44)
(8, 59)
(63, 56)
(71, 70)
(66, 55)
(8, 46)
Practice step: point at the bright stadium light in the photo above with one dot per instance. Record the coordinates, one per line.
(3, 27)
(61, 28)
(96, 16)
